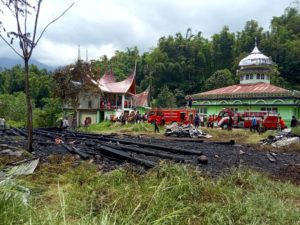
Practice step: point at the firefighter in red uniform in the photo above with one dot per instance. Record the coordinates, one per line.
(281, 123)
(209, 121)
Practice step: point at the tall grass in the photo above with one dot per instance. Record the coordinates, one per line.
(115, 127)
(167, 194)
(239, 135)
(296, 131)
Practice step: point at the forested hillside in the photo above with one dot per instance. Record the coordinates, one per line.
(179, 65)
(189, 63)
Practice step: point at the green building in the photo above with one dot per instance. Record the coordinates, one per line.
(253, 93)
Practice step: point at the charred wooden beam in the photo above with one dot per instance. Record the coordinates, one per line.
(164, 148)
(21, 132)
(73, 150)
(231, 142)
(126, 156)
(174, 157)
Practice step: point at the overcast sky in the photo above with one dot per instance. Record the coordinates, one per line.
(103, 26)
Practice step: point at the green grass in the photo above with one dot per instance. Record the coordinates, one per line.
(116, 127)
(167, 194)
(239, 135)
(296, 130)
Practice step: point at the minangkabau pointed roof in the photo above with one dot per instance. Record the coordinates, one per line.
(142, 99)
(107, 83)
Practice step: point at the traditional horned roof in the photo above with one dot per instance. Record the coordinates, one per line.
(244, 91)
(141, 99)
(108, 77)
(107, 83)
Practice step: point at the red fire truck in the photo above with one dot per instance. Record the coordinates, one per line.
(183, 116)
(265, 119)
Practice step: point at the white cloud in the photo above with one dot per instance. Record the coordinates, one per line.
(104, 26)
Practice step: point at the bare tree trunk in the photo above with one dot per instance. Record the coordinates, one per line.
(29, 107)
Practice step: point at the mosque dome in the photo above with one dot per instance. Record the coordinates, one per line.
(255, 58)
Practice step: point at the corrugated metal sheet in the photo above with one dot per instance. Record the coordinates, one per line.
(246, 88)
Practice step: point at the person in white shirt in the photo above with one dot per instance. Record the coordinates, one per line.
(65, 123)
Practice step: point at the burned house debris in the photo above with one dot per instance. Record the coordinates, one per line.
(185, 131)
(114, 151)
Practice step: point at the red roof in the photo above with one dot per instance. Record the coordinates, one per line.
(141, 99)
(108, 83)
(245, 88)
(108, 77)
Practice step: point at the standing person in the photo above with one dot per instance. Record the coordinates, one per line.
(253, 124)
(281, 123)
(145, 117)
(213, 120)
(190, 101)
(163, 120)
(201, 120)
(196, 121)
(86, 122)
(2, 123)
(65, 123)
(209, 121)
(230, 123)
(294, 122)
(155, 126)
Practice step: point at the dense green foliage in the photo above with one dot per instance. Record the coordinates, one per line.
(186, 61)
(13, 108)
(167, 194)
(46, 109)
(179, 65)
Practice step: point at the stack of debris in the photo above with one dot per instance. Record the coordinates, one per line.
(283, 138)
(185, 131)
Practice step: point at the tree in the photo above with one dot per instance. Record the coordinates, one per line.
(220, 78)
(50, 113)
(21, 10)
(223, 45)
(71, 81)
(166, 98)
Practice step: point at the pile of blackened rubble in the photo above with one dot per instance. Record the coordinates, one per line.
(185, 131)
(114, 151)
(283, 138)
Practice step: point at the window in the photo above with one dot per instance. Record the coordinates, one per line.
(159, 113)
(262, 76)
(269, 109)
(251, 76)
(257, 76)
(247, 77)
(242, 78)
(203, 110)
(274, 110)
(90, 104)
(152, 113)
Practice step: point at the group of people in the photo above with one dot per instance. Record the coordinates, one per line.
(133, 117)
(211, 121)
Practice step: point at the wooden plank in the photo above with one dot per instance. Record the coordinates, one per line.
(126, 156)
(176, 158)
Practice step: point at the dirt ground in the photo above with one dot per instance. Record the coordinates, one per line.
(221, 157)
